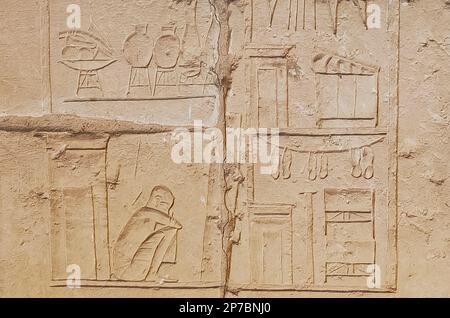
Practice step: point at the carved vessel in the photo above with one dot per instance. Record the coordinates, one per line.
(167, 48)
(138, 47)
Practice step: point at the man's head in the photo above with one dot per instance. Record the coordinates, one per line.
(161, 199)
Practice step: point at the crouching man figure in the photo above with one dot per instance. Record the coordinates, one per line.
(148, 240)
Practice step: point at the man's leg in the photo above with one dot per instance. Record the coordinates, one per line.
(161, 251)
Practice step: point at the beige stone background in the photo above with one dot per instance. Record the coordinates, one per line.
(424, 153)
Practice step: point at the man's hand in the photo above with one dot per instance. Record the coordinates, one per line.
(174, 223)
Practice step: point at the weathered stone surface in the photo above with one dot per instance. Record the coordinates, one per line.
(88, 178)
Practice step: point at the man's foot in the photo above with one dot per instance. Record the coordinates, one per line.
(161, 279)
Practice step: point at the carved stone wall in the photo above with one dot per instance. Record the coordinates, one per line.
(358, 204)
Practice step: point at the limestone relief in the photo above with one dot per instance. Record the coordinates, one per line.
(151, 62)
(319, 221)
(310, 84)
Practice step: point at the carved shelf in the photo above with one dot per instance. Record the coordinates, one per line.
(332, 131)
(214, 285)
(125, 284)
(303, 288)
(136, 99)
